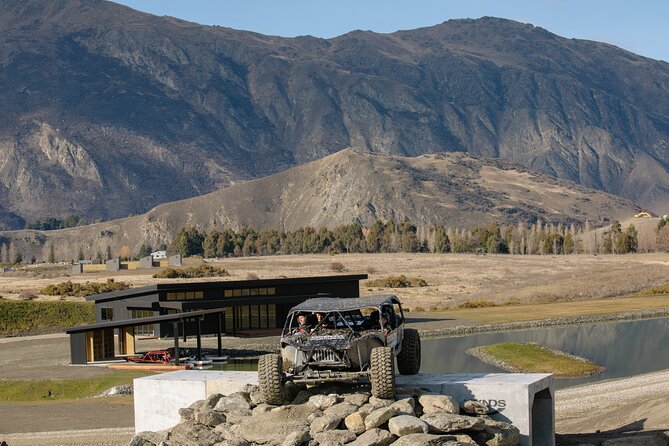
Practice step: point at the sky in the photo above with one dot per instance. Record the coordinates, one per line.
(640, 26)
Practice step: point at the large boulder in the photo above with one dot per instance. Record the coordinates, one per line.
(444, 423)
(209, 417)
(374, 437)
(380, 416)
(406, 406)
(272, 427)
(438, 403)
(325, 423)
(357, 399)
(497, 433)
(297, 438)
(356, 422)
(341, 410)
(336, 437)
(406, 424)
(434, 440)
(191, 434)
(240, 401)
(322, 402)
(473, 407)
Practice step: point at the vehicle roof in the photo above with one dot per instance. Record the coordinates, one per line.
(344, 304)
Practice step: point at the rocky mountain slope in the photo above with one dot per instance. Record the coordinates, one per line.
(108, 111)
(350, 186)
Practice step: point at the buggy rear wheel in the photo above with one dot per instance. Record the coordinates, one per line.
(408, 361)
(382, 373)
(269, 379)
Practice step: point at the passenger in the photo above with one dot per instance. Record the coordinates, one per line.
(372, 323)
(322, 322)
(385, 324)
(303, 327)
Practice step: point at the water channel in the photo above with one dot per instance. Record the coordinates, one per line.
(624, 348)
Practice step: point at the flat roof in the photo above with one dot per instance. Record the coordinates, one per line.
(142, 320)
(222, 284)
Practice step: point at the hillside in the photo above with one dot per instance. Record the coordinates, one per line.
(100, 100)
(351, 186)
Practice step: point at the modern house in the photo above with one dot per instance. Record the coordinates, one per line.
(246, 307)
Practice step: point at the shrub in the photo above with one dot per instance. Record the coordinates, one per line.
(662, 289)
(191, 273)
(337, 267)
(371, 270)
(83, 289)
(477, 304)
(27, 295)
(418, 309)
(401, 281)
(26, 317)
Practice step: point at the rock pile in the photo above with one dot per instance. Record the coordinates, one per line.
(328, 416)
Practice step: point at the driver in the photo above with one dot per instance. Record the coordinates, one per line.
(303, 327)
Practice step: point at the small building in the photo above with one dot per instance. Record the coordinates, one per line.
(159, 255)
(249, 307)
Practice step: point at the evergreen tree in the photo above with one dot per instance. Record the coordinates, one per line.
(188, 241)
(80, 254)
(18, 258)
(52, 254)
(144, 251)
(108, 253)
(210, 244)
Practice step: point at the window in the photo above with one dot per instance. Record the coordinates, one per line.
(107, 314)
(227, 293)
(143, 330)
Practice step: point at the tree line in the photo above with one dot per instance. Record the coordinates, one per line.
(391, 237)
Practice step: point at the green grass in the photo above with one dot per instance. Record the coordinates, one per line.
(535, 358)
(64, 389)
(30, 317)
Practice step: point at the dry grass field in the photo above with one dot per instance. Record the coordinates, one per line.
(453, 279)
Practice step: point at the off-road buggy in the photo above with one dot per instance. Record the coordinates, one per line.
(342, 339)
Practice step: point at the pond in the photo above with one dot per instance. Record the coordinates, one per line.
(624, 348)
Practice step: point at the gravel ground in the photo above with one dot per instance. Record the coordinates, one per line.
(637, 402)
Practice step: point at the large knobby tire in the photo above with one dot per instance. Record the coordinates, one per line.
(408, 361)
(269, 379)
(382, 368)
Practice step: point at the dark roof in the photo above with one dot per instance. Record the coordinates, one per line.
(351, 303)
(142, 320)
(219, 284)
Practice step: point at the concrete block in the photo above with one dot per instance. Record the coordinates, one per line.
(526, 400)
(113, 264)
(146, 262)
(158, 398)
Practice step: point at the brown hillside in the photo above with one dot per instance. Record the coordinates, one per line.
(352, 186)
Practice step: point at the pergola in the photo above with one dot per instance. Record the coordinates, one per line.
(95, 342)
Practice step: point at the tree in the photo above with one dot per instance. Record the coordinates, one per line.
(108, 253)
(441, 241)
(80, 255)
(631, 239)
(188, 242)
(52, 254)
(210, 244)
(125, 252)
(144, 251)
(568, 245)
(18, 258)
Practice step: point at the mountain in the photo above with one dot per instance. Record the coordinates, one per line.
(455, 189)
(108, 111)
